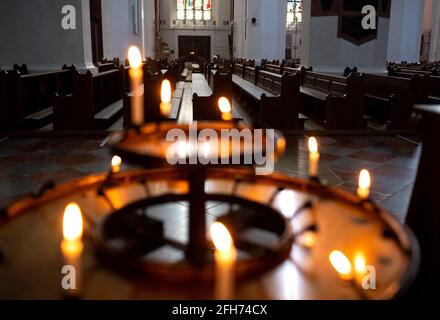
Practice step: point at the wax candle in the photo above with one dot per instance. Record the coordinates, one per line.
(225, 108)
(225, 261)
(166, 95)
(364, 185)
(136, 75)
(314, 157)
(72, 246)
(116, 164)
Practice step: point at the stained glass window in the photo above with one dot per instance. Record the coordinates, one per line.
(294, 12)
(194, 10)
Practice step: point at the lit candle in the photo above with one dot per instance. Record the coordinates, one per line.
(314, 157)
(166, 95)
(364, 185)
(342, 265)
(116, 164)
(225, 108)
(136, 75)
(72, 246)
(225, 260)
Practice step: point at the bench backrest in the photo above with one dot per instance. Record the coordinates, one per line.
(108, 87)
(269, 81)
(325, 82)
(250, 74)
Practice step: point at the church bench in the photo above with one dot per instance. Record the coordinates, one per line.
(221, 84)
(434, 82)
(238, 69)
(274, 68)
(391, 99)
(207, 93)
(103, 67)
(336, 101)
(95, 102)
(274, 99)
(152, 98)
(27, 100)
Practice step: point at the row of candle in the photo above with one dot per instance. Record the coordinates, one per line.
(137, 107)
(225, 254)
(363, 190)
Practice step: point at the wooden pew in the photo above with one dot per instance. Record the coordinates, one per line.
(269, 95)
(392, 99)
(95, 103)
(206, 107)
(152, 84)
(434, 81)
(27, 100)
(337, 101)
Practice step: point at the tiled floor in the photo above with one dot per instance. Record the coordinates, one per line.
(27, 163)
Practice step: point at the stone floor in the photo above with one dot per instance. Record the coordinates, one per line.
(27, 163)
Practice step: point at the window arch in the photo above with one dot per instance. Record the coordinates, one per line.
(194, 10)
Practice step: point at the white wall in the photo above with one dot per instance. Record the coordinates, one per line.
(265, 39)
(219, 32)
(406, 26)
(328, 53)
(31, 33)
(148, 27)
(117, 28)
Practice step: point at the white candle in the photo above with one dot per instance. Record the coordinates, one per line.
(225, 108)
(116, 164)
(314, 157)
(225, 261)
(364, 185)
(72, 246)
(166, 96)
(136, 75)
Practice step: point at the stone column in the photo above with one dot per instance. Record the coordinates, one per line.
(32, 34)
(265, 38)
(406, 27)
(434, 54)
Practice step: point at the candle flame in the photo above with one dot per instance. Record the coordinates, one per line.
(313, 145)
(224, 105)
(72, 223)
(166, 91)
(341, 264)
(221, 237)
(134, 57)
(225, 108)
(364, 180)
(116, 164)
(359, 263)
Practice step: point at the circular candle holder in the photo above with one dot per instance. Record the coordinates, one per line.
(293, 223)
(148, 145)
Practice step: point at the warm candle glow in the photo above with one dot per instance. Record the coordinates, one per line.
(364, 185)
(134, 57)
(221, 237)
(136, 75)
(165, 93)
(166, 96)
(313, 145)
(72, 223)
(225, 259)
(359, 263)
(313, 157)
(116, 164)
(225, 108)
(341, 264)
